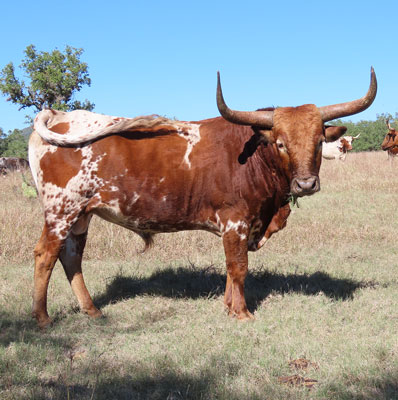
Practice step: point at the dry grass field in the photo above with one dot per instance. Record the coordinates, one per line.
(325, 290)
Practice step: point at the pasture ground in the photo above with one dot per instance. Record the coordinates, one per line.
(324, 289)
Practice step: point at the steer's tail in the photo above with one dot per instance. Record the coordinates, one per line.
(84, 135)
(148, 239)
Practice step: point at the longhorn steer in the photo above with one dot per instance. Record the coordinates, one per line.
(338, 149)
(390, 142)
(231, 176)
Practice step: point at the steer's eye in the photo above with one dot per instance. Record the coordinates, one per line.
(280, 145)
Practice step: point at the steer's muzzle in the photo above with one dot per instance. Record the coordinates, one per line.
(305, 186)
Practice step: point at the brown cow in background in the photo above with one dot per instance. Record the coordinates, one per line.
(8, 164)
(390, 142)
(232, 176)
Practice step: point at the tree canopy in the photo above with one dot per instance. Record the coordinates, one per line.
(372, 132)
(53, 78)
(15, 144)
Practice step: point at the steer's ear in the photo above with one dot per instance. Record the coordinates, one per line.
(332, 133)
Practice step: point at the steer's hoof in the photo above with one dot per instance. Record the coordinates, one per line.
(43, 322)
(94, 313)
(242, 316)
(245, 316)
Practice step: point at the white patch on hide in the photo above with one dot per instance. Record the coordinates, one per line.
(60, 204)
(83, 125)
(236, 226)
(37, 149)
(192, 135)
(136, 196)
(219, 223)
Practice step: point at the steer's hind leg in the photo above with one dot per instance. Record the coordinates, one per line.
(46, 254)
(71, 259)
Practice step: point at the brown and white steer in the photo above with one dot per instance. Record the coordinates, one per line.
(231, 176)
(390, 142)
(338, 149)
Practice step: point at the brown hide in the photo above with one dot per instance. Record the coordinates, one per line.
(345, 146)
(393, 151)
(173, 196)
(390, 141)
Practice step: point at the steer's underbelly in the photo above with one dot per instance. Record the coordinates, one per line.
(139, 223)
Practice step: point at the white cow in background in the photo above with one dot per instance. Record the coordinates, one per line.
(338, 150)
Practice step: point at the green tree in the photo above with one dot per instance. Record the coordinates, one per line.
(3, 144)
(14, 145)
(53, 79)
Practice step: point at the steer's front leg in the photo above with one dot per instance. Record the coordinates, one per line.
(235, 247)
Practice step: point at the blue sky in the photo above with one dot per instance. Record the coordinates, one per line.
(148, 57)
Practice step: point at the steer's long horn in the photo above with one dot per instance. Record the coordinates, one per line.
(352, 107)
(388, 124)
(261, 119)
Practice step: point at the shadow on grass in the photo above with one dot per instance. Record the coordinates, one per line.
(14, 330)
(164, 386)
(191, 282)
(365, 387)
(161, 379)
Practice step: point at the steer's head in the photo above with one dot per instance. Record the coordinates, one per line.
(391, 139)
(345, 144)
(298, 133)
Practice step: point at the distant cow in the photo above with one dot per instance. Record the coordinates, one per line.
(231, 176)
(8, 164)
(390, 142)
(338, 149)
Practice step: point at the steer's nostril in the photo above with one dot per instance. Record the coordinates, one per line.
(304, 186)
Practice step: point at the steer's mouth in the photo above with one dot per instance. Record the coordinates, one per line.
(305, 186)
